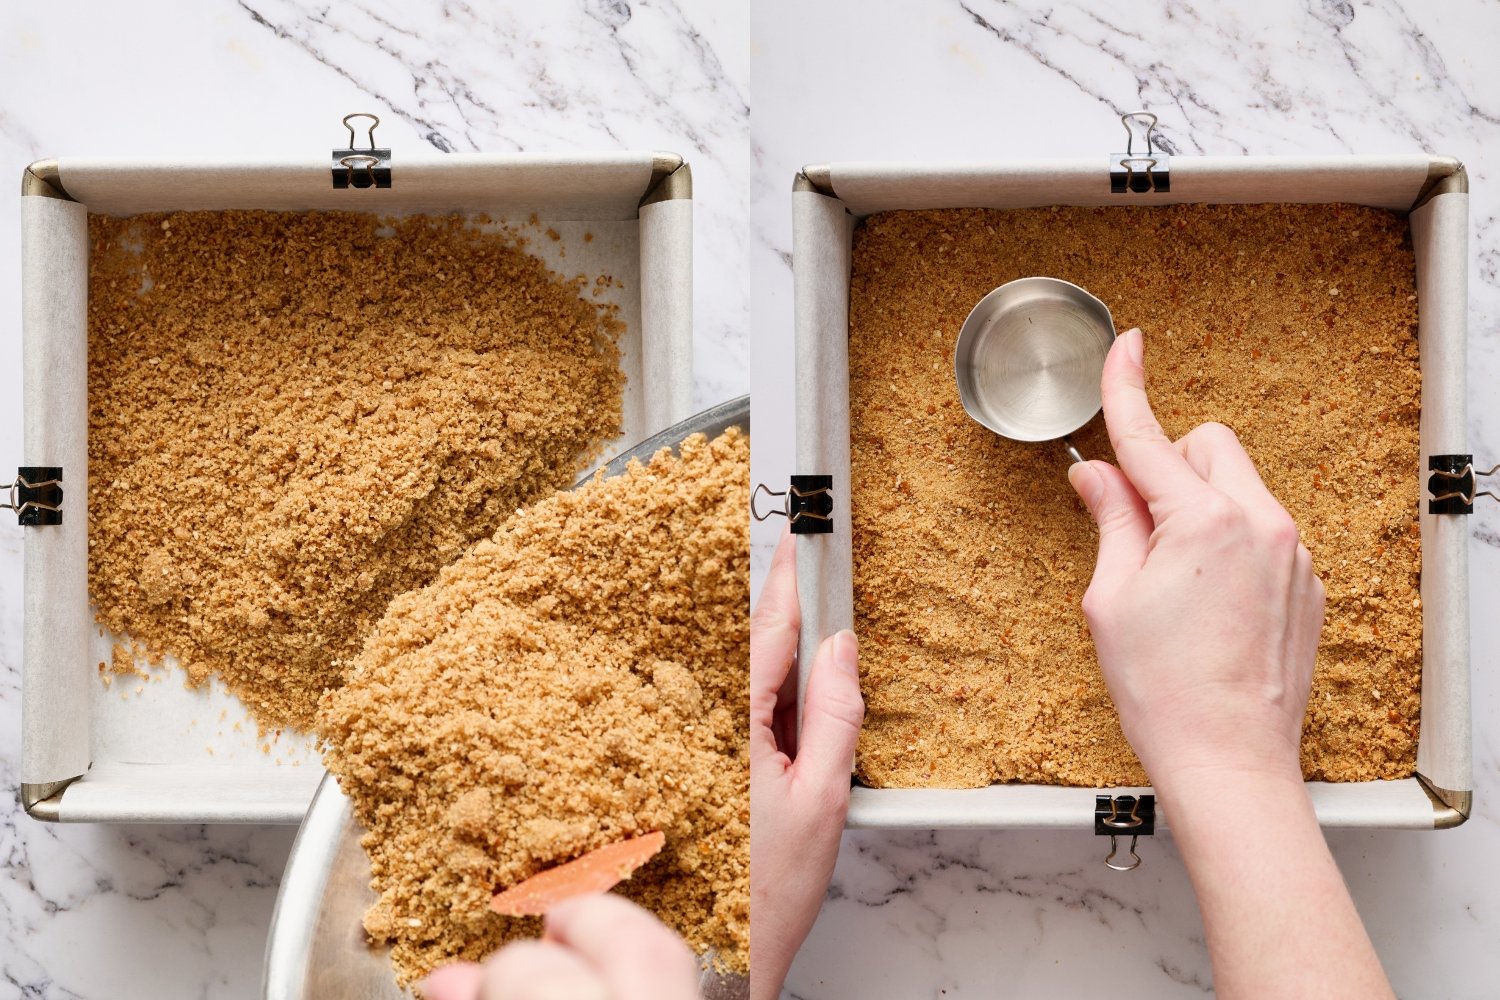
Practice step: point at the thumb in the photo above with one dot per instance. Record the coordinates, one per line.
(832, 712)
(1124, 521)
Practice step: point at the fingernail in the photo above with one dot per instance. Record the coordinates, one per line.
(1084, 479)
(846, 652)
(1134, 344)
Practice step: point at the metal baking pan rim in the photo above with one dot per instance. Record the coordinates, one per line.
(815, 177)
(43, 800)
(43, 179)
(671, 180)
(49, 801)
(1448, 807)
(1445, 175)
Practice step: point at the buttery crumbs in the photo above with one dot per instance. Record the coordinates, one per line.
(293, 417)
(1293, 324)
(578, 679)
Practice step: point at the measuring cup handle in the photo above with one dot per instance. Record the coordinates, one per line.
(1073, 452)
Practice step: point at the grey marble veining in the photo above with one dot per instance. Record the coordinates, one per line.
(597, 74)
(181, 911)
(973, 914)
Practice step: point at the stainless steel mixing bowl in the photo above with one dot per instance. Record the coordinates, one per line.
(317, 945)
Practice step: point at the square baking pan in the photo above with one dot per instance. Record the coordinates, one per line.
(147, 749)
(828, 201)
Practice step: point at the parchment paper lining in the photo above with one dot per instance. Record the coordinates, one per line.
(561, 188)
(160, 752)
(822, 239)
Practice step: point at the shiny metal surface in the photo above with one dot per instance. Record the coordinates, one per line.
(815, 177)
(42, 179)
(671, 179)
(1029, 358)
(43, 800)
(1450, 807)
(1445, 175)
(316, 946)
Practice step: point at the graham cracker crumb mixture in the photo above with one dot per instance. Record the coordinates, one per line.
(1294, 325)
(293, 417)
(576, 680)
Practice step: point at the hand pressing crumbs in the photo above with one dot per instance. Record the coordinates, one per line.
(293, 417)
(577, 680)
(971, 555)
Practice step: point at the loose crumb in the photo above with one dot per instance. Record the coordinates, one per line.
(294, 417)
(576, 680)
(1294, 325)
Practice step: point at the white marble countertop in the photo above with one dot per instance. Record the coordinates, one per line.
(918, 914)
(182, 911)
(166, 912)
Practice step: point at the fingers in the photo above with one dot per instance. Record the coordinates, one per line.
(1305, 614)
(784, 720)
(635, 954)
(458, 981)
(540, 970)
(773, 643)
(1154, 467)
(596, 948)
(1214, 452)
(832, 712)
(1124, 522)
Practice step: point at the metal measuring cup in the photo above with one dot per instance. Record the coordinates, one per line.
(1029, 359)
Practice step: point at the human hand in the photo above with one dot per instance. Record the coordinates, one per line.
(595, 948)
(1206, 615)
(1204, 606)
(799, 795)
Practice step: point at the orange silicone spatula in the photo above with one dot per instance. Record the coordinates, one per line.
(600, 870)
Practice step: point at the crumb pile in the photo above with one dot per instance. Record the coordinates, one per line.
(578, 679)
(293, 417)
(1294, 325)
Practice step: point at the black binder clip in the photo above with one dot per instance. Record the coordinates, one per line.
(362, 168)
(36, 495)
(1452, 484)
(1117, 815)
(808, 508)
(1132, 171)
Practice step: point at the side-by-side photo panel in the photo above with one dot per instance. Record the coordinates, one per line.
(401, 606)
(1127, 466)
(379, 622)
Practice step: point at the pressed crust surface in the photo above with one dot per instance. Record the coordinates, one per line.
(1294, 325)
